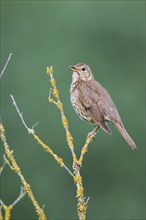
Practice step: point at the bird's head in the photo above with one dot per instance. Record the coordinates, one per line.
(82, 71)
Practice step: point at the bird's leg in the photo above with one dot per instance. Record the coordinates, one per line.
(93, 133)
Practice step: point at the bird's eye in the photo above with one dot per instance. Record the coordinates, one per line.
(83, 69)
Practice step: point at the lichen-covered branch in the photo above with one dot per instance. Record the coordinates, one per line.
(7, 210)
(14, 166)
(59, 104)
(89, 139)
(49, 150)
(82, 200)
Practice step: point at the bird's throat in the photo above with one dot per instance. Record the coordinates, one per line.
(75, 81)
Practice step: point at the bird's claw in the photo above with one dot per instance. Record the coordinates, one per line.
(91, 135)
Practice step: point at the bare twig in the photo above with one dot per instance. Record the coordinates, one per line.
(2, 167)
(6, 64)
(30, 130)
(21, 195)
(1, 202)
(1, 215)
(69, 171)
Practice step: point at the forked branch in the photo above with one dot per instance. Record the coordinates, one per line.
(43, 145)
(14, 166)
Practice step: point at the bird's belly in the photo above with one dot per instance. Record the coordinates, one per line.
(79, 109)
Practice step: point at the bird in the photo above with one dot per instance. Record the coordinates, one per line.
(93, 103)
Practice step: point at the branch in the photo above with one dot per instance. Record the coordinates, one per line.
(44, 146)
(82, 201)
(16, 168)
(89, 139)
(6, 64)
(59, 104)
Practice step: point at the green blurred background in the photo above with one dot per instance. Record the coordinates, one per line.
(107, 35)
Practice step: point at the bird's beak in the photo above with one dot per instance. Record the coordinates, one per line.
(72, 68)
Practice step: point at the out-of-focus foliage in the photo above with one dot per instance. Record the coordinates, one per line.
(107, 35)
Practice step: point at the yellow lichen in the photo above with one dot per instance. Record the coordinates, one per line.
(84, 149)
(59, 160)
(78, 179)
(60, 106)
(52, 101)
(56, 93)
(69, 139)
(53, 82)
(80, 192)
(49, 150)
(7, 212)
(49, 69)
(82, 208)
(64, 121)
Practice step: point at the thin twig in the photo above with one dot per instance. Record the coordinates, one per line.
(2, 167)
(30, 130)
(1, 202)
(69, 171)
(1, 216)
(6, 64)
(21, 195)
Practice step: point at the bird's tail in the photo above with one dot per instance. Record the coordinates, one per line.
(125, 134)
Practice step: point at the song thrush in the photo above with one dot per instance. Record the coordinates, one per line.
(93, 103)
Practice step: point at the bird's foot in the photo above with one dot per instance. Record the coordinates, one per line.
(92, 134)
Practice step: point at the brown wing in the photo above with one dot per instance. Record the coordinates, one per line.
(105, 103)
(90, 97)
